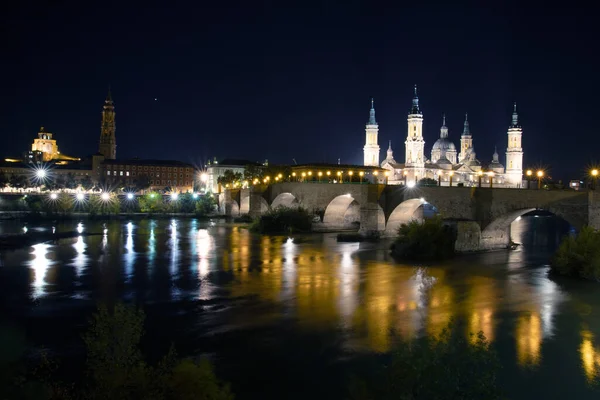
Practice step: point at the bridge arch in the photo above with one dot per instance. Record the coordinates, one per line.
(402, 214)
(245, 205)
(497, 234)
(235, 209)
(342, 211)
(285, 199)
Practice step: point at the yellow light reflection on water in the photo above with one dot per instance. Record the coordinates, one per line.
(529, 339)
(590, 356)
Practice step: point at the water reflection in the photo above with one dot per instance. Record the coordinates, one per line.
(39, 265)
(590, 356)
(352, 291)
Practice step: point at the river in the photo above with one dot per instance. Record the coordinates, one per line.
(285, 319)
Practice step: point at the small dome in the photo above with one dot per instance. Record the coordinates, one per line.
(444, 163)
(443, 144)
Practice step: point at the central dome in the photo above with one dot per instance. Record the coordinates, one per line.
(444, 144)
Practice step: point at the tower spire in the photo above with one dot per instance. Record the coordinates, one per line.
(415, 103)
(515, 116)
(466, 130)
(109, 96)
(372, 114)
(444, 128)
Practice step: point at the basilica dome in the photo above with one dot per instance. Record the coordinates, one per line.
(444, 144)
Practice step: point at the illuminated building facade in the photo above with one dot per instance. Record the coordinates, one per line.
(161, 175)
(45, 148)
(447, 167)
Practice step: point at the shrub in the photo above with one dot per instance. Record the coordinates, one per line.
(151, 203)
(283, 220)
(427, 241)
(579, 256)
(451, 365)
(243, 219)
(428, 182)
(206, 205)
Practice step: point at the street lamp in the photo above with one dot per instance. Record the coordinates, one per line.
(405, 178)
(294, 174)
(451, 173)
(529, 173)
(594, 178)
(129, 196)
(361, 174)
(79, 196)
(105, 196)
(491, 175)
(53, 196)
(387, 174)
(540, 175)
(351, 173)
(340, 177)
(479, 175)
(320, 175)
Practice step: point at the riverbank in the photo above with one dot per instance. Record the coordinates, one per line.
(37, 216)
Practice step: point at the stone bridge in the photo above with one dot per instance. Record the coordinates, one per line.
(482, 215)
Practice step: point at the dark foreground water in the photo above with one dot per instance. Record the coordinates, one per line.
(289, 320)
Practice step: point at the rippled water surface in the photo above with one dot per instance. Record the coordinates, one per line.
(284, 319)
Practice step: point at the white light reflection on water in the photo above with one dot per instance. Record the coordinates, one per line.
(347, 275)
(130, 254)
(81, 259)
(174, 246)
(39, 264)
(152, 245)
(205, 247)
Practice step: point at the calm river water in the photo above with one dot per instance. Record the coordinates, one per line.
(287, 320)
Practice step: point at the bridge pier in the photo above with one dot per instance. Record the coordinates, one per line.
(372, 219)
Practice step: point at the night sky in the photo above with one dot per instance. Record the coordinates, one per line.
(258, 80)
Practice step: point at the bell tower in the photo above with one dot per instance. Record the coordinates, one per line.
(514, 152)
(415, 144)
(108, 140)
(371, 149)
(466, 142)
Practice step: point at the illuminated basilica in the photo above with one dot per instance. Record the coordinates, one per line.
(447, 165)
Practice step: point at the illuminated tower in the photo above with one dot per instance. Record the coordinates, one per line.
(514, 152)
(415, 145)
(466, 142)
(371, 149)
(108, 140)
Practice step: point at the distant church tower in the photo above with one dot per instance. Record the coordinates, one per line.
(371, 149)
(108, 140)
(466, 142)
(514, 152)
(415, 144)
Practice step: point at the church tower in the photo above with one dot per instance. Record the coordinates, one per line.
(415, 144)
(371, 149)
(466, 142)
(108, 140)
(514, 152)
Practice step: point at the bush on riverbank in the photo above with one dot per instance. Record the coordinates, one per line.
(448, 366)
(427, 241)
(283, 220)
(115, 368)
(579, 256)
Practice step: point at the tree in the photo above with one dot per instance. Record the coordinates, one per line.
(252, 172)
(151, 203)
(3, 180)
(451, 366)
(87, 183)
(206, 205)
(70, 181)
(98, 206)
(187, 203)
(426, 241)
(230, 178)
(427, 182)
(18, 181)
(117, 370)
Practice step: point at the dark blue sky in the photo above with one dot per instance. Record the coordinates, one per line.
(261, 80)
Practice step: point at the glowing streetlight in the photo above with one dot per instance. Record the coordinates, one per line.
(174, 196)
(40, 173)
(529, 173)
(105, 196)
(53, 196)
(80, 196)
(129, 196)
(152, 195)
(328, 173)
(595, 177)
(410, 185)
(204, 177)
(491, 175)
(540, 175)
(451, 174)
(195, 195)
(479, 176)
